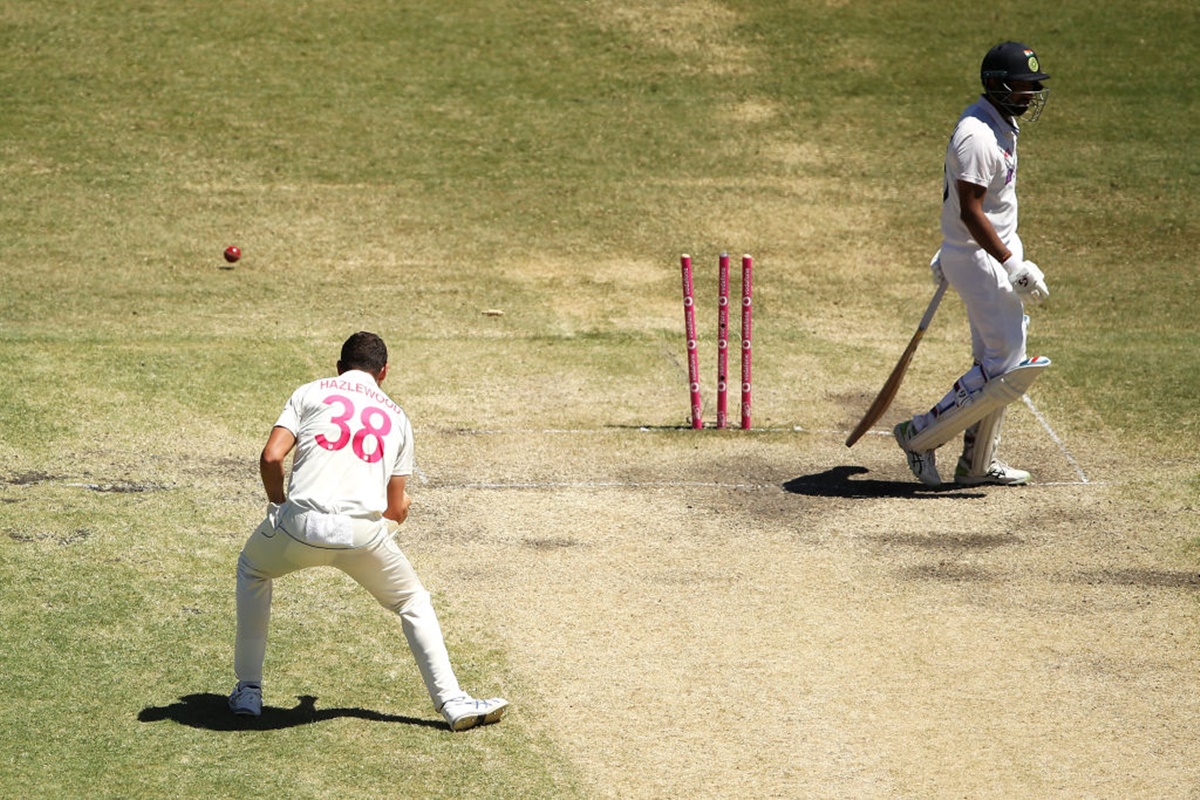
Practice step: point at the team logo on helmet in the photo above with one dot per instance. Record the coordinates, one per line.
(1033, 62)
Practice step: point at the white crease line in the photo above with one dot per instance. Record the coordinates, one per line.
(1083, 478)
(1084, 482)
(683, 429)
(608, 485)
(742, 487)
(1054, 436)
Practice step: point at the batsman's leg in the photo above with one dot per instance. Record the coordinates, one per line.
(979, 464)
(980, 442)
(965, 407)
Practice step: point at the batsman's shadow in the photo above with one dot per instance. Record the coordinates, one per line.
(211, 712)
(841, 482)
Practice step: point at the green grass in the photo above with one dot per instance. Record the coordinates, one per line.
(401, 167)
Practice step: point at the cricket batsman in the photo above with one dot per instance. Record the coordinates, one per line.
(983, 259)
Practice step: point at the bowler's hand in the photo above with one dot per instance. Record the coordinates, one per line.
(399, 500)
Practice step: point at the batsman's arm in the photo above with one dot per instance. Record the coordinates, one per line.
(271, 463)
(1025, 276)
(970, 203)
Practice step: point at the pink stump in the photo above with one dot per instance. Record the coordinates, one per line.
(689, 325)
(723, 341)
(747, 336)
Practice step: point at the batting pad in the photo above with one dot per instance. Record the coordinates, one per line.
(996, 394)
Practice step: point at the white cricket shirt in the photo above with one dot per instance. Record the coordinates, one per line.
(982, 151)
(351, 438)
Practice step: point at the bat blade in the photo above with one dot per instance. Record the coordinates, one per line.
(887, 394)
(891, 386)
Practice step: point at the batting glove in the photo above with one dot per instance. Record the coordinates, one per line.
(935, 266)
(1026, 279)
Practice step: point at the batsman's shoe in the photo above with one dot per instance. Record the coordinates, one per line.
(246, 700)
(923, 463)
(998, 474)
(469, 712)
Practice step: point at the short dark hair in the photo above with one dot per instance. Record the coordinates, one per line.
(364, 351)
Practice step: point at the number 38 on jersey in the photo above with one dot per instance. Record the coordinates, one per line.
(356, 427)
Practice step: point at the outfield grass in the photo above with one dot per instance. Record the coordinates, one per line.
(403, 167)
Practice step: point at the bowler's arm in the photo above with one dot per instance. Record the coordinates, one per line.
(271, 462)
(398, 499)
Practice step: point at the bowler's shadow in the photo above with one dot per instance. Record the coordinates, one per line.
(840, 482)
(211, 712)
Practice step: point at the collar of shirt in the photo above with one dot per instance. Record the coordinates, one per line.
(360, 376)
(995, 114)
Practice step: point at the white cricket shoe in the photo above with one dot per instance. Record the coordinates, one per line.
(999, 474)
(468, 712)
(246, 700)
(923, 463)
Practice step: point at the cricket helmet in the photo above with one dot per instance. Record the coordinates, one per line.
(1009, 62)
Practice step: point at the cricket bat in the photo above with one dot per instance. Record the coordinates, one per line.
(890, 387)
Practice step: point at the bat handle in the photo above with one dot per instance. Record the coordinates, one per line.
(933, 305)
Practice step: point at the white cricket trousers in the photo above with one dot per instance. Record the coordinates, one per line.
(996, 315)
(378, 566)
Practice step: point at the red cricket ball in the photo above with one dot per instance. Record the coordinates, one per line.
(232, 253)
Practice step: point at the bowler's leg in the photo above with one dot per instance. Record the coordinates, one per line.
(261, 560)
(383, 570)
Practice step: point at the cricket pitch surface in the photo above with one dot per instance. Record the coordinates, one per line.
(731, 614)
